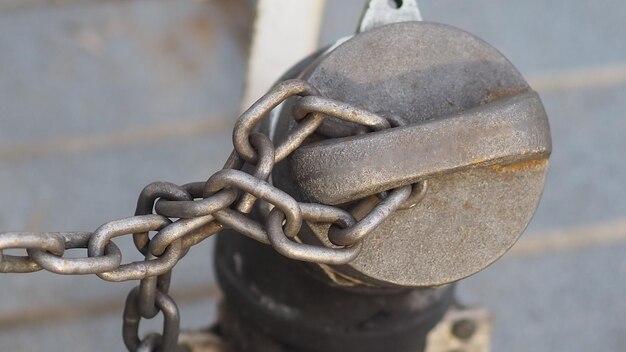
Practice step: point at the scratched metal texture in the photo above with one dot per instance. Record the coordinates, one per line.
(80, 78)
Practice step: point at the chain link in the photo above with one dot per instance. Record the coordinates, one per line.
(165, 342)
(182, 216)
(53, 242)
(111, 259)
(261, 109)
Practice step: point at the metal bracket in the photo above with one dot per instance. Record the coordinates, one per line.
(381, 12)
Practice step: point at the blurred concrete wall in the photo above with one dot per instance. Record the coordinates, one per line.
(99, 98)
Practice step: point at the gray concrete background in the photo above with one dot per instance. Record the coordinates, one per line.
(99, 98)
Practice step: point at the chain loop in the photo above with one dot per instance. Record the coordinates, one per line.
(174, 232)
(262, 190)
(150, 267)
(340, 110)
(394, 200)
(242, 224)
(53, 242)
(264, 168)
(305, 252)
(200, 234)
(78, 266)
(300, 132)
(201, 209)
(418, 192)
(150, 342)
(132, 318)
(196, 208)
(136, 270)
(145, 204)
(260, 109)
(148, 288)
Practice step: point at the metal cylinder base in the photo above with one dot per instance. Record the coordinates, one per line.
(274, 304)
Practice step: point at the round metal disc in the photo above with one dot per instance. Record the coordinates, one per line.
(422, 71)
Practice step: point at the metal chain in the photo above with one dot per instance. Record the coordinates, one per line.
(183, 216)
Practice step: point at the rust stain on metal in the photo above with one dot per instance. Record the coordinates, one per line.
(502, 93)
(524, 165)
(478, 161)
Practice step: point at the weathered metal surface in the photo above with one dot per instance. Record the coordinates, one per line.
(428, 75)
(271, 303)
(462, 329)
(509, 130)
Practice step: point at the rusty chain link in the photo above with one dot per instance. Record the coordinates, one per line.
(183, 216)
